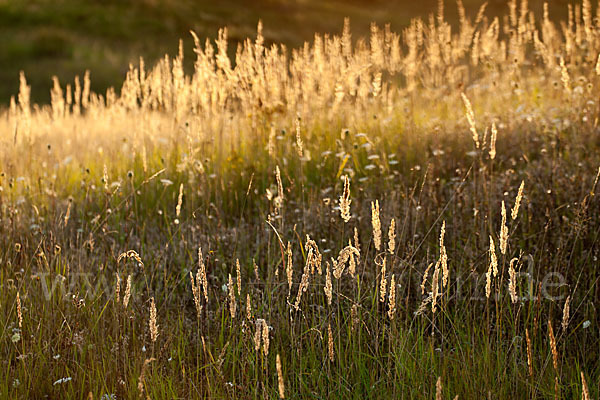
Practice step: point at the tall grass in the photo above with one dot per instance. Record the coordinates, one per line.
(330, 221)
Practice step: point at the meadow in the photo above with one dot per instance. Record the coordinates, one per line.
(397, 215)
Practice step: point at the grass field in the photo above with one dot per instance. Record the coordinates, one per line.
(368, 215)
(67, 37)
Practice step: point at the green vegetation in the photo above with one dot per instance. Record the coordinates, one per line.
(402, 215)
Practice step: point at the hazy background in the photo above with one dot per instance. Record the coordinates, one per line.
(65, 37)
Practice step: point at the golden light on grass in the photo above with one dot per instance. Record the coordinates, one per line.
(131, 254)
(391, 117)
(564, 75)
(289, 269)
(585, 395)
(376, 223)
(553, 346)
(299, 143)
(201, 279)
(493, 258)
(280, 384)
(435, 286)
(238, 275)
(196, 293)
(117, 288)
(503, 232)
(529, 353)
(248, 307)
(443, 256)
(512, 280)
(328, 287)
(345, 200)
(232, 299)
(265, 338)
(566, 311)
(330, 351)
(258, 334)
(515, 210)
(19, 311)
(392, 236)
(127, 294)
(493, 137)
(471, 119)
(179, 201)
(383, 282)
(424, 278)
(152, 324)
(392, 298)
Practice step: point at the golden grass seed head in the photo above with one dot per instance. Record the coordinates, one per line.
(117, 288)
(280, 384)
(488, 282)
(564, 75)
(493, 141)
(278, 201)
(179, 201)
(105, 177)
(392, 236)
(19, 311)
(585, 395)
(289, 269)
(593, 191)
(357, 242)
(330, 351)
(299, 143)
(566, 311)
(443, 256)
(258, 334)
(328, 286)
(345, 200)
(493, 258)
(131, 254)
(238, 277)
(383, 283)
(232, 299)
(512, 280)
(553, 345)
(304, 282)
(196, 293)
(127, 294)
(529, 353)
(152, 321)
(352, 260)
(435, 286)
(376, 223)
(425, 276)
(201, 279)
(392, 298)
(470, 118)
(265, 337)
(503, 232)
(248, 307)
(515, 210)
